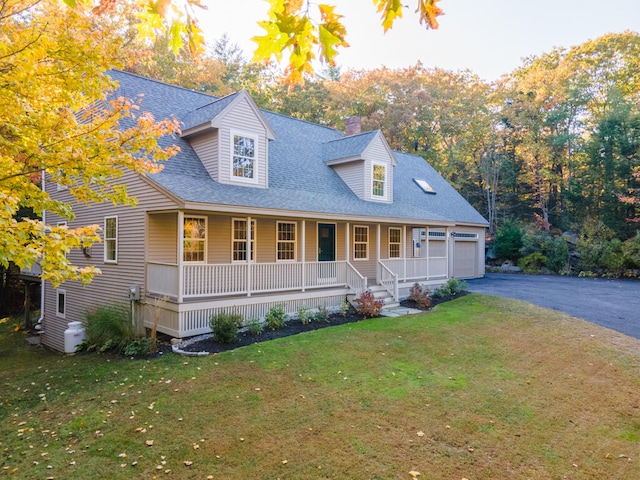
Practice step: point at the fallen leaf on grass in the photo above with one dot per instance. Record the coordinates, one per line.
(414, 474)
(149, 443)
(420, 433)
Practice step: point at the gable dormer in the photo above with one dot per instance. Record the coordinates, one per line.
(365, 163)
(231, 137)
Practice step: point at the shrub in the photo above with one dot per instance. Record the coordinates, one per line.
(139, 346)
(508, 241)
(304, 315)
(276, 317)
(612, 259)
(554, 250)
(631, 251)
(225, 326)
(344, 308)
(420, 296)
(592, 243)
(452, 287)
(368, 305)
(322, 315)
(108, 328)
(533, 263)
(255, 326)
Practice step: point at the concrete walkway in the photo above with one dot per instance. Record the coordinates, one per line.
(614, 304)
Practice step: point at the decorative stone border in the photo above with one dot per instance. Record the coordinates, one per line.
(178, 347)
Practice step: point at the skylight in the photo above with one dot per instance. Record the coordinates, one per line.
(426, 188)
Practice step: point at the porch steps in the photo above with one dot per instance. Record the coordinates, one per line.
(380, 293)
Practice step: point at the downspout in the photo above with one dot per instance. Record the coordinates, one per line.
(38, 325)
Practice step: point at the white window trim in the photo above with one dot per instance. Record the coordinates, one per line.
(399, 242)
(115, 239)
(206, 231)
(255, 138)
(254, 225)
(294, 241)
(385, 183)
(63, 293)
(356, 242)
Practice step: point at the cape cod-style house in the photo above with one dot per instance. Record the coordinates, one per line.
(260, 209)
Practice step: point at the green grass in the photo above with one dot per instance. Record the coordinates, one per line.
(480, 388)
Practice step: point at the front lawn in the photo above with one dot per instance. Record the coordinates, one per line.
(482, 387)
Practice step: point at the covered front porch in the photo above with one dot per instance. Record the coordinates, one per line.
(198, 264)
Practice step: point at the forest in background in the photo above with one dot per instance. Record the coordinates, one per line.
(549, 148)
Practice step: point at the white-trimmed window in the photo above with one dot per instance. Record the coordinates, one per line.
(243, 166)
(379, 180)
(110, 239)
(286, 240)
(360, 242)
(194, 241)
(239, 240)
(61, 303)
(394, 242)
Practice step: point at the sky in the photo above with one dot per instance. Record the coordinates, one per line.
(488, 37)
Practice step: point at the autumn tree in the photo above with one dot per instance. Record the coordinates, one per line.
(61, 119)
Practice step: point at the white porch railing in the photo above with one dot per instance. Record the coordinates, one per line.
(355, 280)
(210, 280)
(417, 268)
(388, 280)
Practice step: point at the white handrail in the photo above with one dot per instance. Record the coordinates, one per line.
(388, 280)
(355, 280)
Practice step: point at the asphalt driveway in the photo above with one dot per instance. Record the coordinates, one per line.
(614, 304)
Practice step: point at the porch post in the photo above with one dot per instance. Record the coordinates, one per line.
(378, 242)
(249, 263)
(347, 241)
(404, 252)
(446, 238)
(180, 255)
(427, 248)
(303, 238)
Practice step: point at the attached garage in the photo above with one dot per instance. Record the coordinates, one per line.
(465, 255)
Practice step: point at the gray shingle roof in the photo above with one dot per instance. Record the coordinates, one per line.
(207, 112)
(299, 179)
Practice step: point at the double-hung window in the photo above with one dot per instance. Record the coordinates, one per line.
(360, 242)
(239, 240)
(286, 241)
(111, 240)
(194, 242)
(379, 181)
(244, 157)
(394, 242)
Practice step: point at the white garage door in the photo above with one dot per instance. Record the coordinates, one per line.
(465, 259)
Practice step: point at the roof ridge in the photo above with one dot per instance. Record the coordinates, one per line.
(348, 137)
(302, 120)
(148, 79)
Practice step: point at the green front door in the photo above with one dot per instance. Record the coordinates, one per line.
(326, 242)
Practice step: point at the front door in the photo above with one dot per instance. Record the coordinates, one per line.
(326, 242)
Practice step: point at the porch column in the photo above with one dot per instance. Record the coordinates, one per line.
(347, 236)
(303, 238)
(249, 269)
(446, 237)
(180, 255)
(378, 242)
(427, 248)
(404, 252)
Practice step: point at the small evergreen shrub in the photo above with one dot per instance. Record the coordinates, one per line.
(420, 296)
(304, 315)
(344, 308)
(322, 315)
(451, 288)
(533, 263)
(255, 326)
(509, 241)
(368, 305)
(225, 326)
(276, 317)
(631, 251)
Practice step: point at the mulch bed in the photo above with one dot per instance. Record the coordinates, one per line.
(293, 327)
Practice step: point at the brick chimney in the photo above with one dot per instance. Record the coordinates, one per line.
(353, 126)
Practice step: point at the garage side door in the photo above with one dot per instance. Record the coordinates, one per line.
(465, 259)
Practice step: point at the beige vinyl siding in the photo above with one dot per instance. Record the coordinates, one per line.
(353, 174)
(437, 248)
(162, 237)
(206, 147)
(311, 241)
(377, 152)
(112, 285)
(242, 120)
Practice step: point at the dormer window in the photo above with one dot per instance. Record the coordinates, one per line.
(379, 181)
(244, 157)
